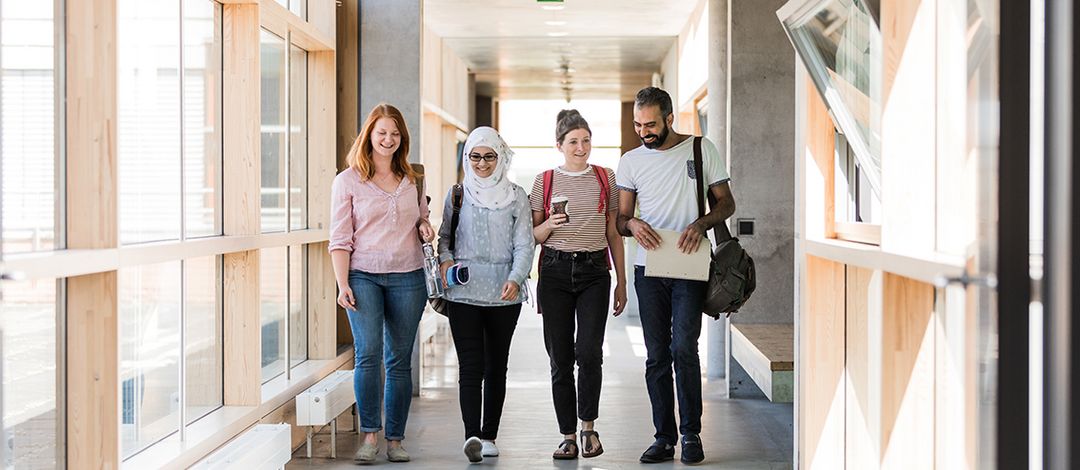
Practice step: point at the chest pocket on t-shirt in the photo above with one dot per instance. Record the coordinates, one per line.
(690, 173)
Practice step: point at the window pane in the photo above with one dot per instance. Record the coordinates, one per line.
(298, 327)
(204, 336)
(840, 44)
(148, 98)
(298, 129)
(202, 117)
(273, 288)
(149, 354)
(299, 7)
(272, 56)
(27, 121)
(28, 319)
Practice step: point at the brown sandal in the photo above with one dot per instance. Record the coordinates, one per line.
(586, 442)
(568, 450)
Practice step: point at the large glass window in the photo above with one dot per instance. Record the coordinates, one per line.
(273, 291)
(203, 67)
(169, 133)
(298, 138)
(28, 319)
(28, 122)
(298, 325)
(283, 309)
(284, 135)
(149, 354)
(148, 133)
(272, 64)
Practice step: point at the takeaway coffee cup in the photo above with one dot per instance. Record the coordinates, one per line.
(558, 206)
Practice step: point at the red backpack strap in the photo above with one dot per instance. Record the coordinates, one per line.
(602, 178)
(549, 178)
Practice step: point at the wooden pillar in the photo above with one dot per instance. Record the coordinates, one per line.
(322, 167)
(243, 341)
(93, 423)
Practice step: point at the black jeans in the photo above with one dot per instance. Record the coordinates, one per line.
(574, 290)
(482, 339)
(670, 311)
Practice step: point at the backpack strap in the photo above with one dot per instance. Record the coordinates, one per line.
(549, 178)
(455, 203)
(602, 178)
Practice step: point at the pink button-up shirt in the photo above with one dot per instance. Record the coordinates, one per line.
(376, 227)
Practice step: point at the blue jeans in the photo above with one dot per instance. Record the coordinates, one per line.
(388, 310)
(670, 311)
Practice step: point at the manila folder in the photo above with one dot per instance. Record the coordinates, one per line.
(668, 261)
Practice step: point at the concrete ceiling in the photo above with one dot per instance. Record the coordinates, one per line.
(589, 48)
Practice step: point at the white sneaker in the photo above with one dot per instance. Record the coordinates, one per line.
(488, 448)
(472, 449)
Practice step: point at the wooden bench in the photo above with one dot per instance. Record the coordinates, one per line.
(766, 351)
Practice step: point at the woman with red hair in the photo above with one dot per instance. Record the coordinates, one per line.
(377, 221)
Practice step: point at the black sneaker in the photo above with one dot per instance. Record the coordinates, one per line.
(660, 451)
(691, 449)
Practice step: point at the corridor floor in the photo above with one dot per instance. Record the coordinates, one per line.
(746, 433)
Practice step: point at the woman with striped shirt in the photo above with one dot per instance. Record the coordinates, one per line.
(574, 284)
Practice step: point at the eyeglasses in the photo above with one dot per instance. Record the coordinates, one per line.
(491, 157)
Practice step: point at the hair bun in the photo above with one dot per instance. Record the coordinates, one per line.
(566, 113)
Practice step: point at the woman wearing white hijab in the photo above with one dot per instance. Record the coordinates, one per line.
(494, 240)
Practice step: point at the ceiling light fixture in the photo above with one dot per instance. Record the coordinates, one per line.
(555, 23)
(552, 7)
(557, 34)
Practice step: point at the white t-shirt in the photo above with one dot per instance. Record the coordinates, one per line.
(665, 185)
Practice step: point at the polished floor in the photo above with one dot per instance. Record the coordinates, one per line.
(745, 432)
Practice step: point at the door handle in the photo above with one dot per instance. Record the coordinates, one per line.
(965, 279)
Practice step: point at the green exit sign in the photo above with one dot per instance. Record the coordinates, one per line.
(549, 1)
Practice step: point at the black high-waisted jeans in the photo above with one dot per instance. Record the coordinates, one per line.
(574, 291)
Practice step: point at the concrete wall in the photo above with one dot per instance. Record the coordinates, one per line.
(390, 43)
(761, 137)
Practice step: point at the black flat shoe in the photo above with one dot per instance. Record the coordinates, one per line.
(658, 452)
(691, 449)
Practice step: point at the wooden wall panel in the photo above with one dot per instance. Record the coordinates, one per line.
(322, 127)
(908, 127)
(431, 68)
(243, 338)
(820, 167)
(92, 344)
(241, 120)
(348, 84)
(822, 345)
(322, 167)
(455, 85)
(322, 303)
(863, 353)
(93, 424)
(349, 116)
(907, 374)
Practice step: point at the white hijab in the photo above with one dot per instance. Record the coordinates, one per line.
(495, 191)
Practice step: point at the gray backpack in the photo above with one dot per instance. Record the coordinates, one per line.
(731, 273)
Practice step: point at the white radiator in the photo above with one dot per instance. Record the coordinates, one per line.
(263, 447)
(326, 400)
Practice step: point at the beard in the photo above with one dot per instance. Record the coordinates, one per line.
(658, 140)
